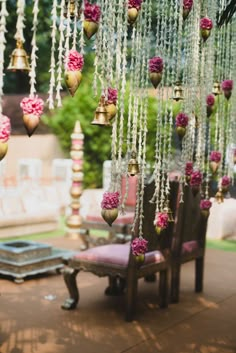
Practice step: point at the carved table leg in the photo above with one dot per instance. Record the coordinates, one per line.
(70, 281)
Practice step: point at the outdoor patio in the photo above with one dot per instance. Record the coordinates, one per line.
(200, 323)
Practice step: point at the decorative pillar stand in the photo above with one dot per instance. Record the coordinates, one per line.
(74, 221)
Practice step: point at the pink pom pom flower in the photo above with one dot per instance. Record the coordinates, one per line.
(5, 128)
(156, 64)
(161, 220)
(225, 181)
(112, 95)
(32, 105)
(135, 3)
(139, 246)
(181, 120)
(215, 156)
(196, 178)
(187, 4)
(210, 100)
(206, 23)
(92, 12)
(188, 168)
(74, 61)
(205, 204)
(110, 200)
(227, 85)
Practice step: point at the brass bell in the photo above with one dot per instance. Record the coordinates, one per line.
(167, 210)
(19, 59)
(178, 92)
(219, 196)
(101, 115)
(71, 5)
(216, 89)
(133, 166)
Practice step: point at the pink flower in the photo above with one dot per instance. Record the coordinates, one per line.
(33, 105)
(92, 12)
(196, 178)
(225, 181)
(139, 246)
(110, 200)
(181, 120)
(112, 95)
(135, 3)
(215, 156)
(156, 64)
(188, 168)
(187, 4)
(74, 61)
(162, 220)
(210, 100)
(227, 85)
(5, 128)
(205, 204)
(206, 23)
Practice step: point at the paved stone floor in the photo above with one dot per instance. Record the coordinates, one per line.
(200, 323)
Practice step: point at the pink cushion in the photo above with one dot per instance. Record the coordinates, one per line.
(127, 218)
(115, 254)
(189, 246)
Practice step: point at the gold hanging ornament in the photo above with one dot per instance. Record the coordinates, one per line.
(133, 166)
(132, 15)
(3, 149)
(101, 117)
(72, 8)
(216, 89)
(169, 212)
(178, 92)
(219, 196)
(19, 59)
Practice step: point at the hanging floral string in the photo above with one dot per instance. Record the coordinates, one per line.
(52, 69)
(34, 57)
(75, 26)
(19, 36)
(81, 38)
(60, 55)
(68, 30)
(3, 30)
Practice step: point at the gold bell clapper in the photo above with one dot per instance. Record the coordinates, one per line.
(167, 210)
(178, 92)
(101, 117)
(133, 166)
(19, 59)
(216, 89)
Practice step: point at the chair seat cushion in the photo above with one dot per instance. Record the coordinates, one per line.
(126, 218)
(189, 246)
(115, 254)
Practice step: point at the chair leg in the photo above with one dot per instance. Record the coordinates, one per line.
(70, 281)
(199, 272)
(131, 298)
(115, 287)
(175, 283)
(163, 289)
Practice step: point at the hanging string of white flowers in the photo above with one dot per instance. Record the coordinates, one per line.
(68, 30)
(34, 50)
(75, 29)
(60, 55)
(52, 69)
(19, 36)
(3, 30)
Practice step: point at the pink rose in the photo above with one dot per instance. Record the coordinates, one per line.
(162, 220)
(92, 12)
(225, 181)
(205, 204)
(206, 23)
(210, 100)
(188, 168)
(139, 246)
(156, 64)
(33, 105)
(5, 128)
(181, 120)
(112, 95)
(227, 85)
(187, 4)
(135, 3)
(110, 200)
(196, 178)
(74, 61)
(215, 156)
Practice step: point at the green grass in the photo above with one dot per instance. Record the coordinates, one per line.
(226, 245)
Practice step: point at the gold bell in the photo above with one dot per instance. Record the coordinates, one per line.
(219, 196)
(101, 115)
(19, 58)
(178, 92)
(133, 167)
(167, 210)
(216, 89)
(71, 5)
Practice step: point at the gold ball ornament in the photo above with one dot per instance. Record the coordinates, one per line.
(132, 15)
(109, 215)
(90, 28)
(73, 80)
(181, 131)
(111, 111)
(3, 149)
(31, 123)
(155, 78)
(205, 34)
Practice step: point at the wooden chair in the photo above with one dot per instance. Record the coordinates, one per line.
(117, 262)
(188, 242)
